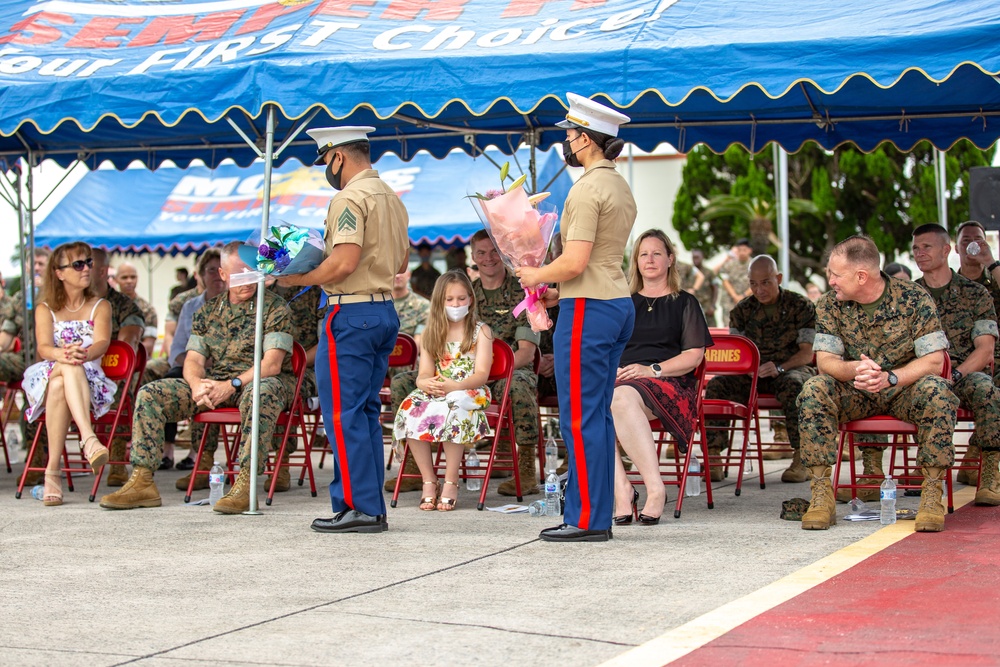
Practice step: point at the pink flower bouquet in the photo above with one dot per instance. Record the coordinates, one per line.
(521, 228)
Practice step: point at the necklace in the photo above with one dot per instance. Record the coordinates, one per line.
(73, 310)
(649, 304)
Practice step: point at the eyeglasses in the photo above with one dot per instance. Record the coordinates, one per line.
(79, 265)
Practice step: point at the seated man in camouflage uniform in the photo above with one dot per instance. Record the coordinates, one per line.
(218, 372)
(782, 325)
(497, 293)
(969, 320)
(880, 348)
(411, 308)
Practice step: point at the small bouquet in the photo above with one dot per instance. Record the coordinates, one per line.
(287, 250)
(521, 231)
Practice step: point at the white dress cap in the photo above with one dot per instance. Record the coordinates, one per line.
(331, 137)
(587, 113)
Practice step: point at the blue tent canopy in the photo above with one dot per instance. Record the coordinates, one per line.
(127, 79)
(174, 210)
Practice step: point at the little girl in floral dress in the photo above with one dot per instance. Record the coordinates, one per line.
(449, 403)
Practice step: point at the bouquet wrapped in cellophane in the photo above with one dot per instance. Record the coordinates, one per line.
(521, 227)
(287, 250)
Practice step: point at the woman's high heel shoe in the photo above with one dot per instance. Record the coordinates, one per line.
(96, 453)
(626, 519)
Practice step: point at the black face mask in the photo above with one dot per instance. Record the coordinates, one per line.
(332, 178)
(569, 155)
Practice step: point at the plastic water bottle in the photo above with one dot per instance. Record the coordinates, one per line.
(472, 468)
(887, 494)
(537, 508)
(551, 454)
(553, 504)
(973, 249)
(693, 485)
(37, 492)
(216, 478)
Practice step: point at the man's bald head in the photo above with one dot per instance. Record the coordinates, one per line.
(765, 281)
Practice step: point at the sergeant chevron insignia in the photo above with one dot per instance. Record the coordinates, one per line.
(347, 222)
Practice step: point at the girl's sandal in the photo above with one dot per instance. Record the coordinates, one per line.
(447, 504)
(97, 454)
(52, 494)
(429, 503)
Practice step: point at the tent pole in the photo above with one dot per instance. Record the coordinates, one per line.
(259, 329)
(940, 180)
(783, 212)
(26, 214)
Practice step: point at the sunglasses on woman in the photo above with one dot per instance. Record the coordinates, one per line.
(80, 264)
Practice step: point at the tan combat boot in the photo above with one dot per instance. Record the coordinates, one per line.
(871, 471)
(200, 481)
(822, 512)
(989, 486)
(796, 472)
(284, 476)
(117, 474)
(408, 483)
(970, 477)
(529, 476)
(139, 491)
(237, 500)
(930, 514)
(719, 472)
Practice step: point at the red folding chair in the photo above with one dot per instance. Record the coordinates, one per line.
(732, 354)
(675, 472)
(127, 409)
(404, 356)
(8, 402)
(119, 364)
(231, 417)
(501, 420)
(293, 422)
(904, 434)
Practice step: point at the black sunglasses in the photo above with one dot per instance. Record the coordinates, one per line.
(79, 264)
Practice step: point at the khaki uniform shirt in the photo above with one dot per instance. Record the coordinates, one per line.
(779, 335)
(494, 308)
(599, 209)
(966, 311)
(224, 333)
(904, 326)
(412, 311)
(368, 213)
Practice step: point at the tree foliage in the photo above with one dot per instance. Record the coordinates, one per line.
(885, 194)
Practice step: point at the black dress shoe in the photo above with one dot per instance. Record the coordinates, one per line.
(352, 521)
(167, 463)
(568, 533)
(186, 463)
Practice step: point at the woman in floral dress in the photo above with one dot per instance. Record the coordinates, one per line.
(449, 403)
(69, 383)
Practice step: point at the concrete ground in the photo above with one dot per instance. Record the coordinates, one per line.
(181, 585)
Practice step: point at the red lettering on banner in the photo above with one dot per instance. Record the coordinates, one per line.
(227, 206)
(179, 29)
(343, 8)
(96, 34)
(34, 31)
(531, 7)
(199, 207)
(263, 17)
(172, 206)
(313, 201)
(437, 10)
(287, 200)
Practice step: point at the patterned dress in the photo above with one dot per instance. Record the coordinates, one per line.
(36, 376)
(459, 416)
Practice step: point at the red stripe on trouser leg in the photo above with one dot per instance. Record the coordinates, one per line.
(576, 414)
(338, 428)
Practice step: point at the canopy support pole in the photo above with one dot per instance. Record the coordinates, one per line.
(783, 234)
(941, 183)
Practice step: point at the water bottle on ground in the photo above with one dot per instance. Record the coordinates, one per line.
(552, 500)
(472, 468)
(37, 492)
(887, 493)
(973, 249)
(693, 485)
(216, 478)
(537, 508)
(551, 454)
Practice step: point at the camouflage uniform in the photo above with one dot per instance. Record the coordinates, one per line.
(777, 335)
(986, 280)
(124, 313)
(307, 318)
(412, 311)
(905, 326)
(176, 303)
(966, 312)
(224, 334)
(494, 309)
(148, 316)
(12, 322)
(422, 280)
(704, 294)
(735, 272)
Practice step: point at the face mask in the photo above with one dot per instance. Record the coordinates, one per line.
(456, 313)
(332, 178)
(569, 155)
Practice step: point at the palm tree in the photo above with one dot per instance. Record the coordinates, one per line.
(759, 214)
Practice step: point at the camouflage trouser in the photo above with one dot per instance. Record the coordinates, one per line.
(785, 387)
(170, 400)
(523, 397)
(928, 403)
(11, 367)
(978, 393)
(156, 369)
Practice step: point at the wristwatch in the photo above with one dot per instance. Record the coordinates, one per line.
(892, 379)
(989, 269)
(956, 375)
(236, 382)
(657, 371)
(780, 369)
